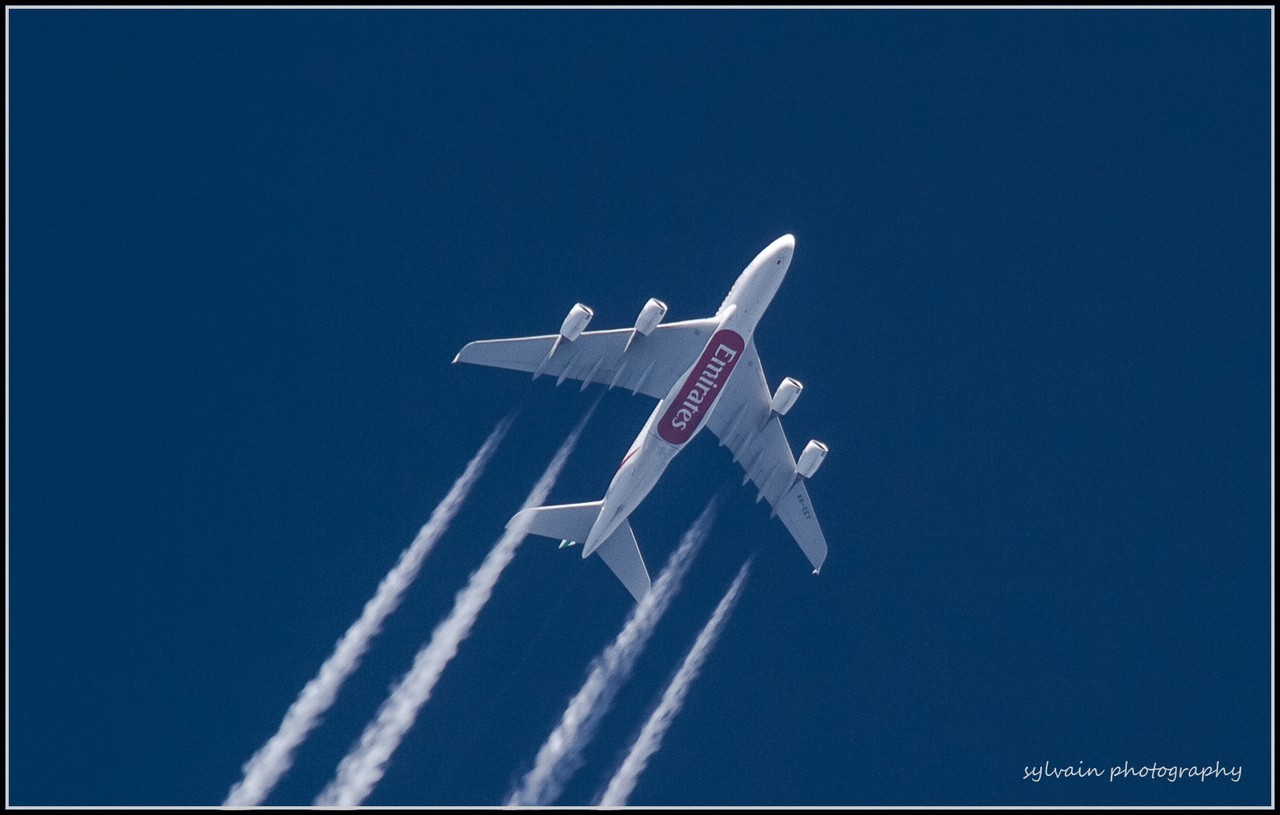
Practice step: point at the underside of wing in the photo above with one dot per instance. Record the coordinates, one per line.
(744, 422)
(620, 358)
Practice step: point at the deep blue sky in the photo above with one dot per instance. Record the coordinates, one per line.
(1029, 303)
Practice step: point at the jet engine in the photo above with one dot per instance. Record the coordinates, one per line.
(650, 316)
(811, 459)
(785, 396)
(577, 320)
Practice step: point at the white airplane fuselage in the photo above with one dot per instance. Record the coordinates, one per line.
(684, 412)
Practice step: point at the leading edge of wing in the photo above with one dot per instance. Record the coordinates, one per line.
(707, 323)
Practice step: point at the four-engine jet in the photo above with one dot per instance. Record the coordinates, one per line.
(706, 374)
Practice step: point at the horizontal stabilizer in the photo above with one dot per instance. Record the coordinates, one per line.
(573, 522)
(621, 553)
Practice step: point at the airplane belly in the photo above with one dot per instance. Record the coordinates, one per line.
(691, 401)
(632, 483)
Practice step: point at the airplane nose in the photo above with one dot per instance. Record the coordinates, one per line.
(783, 248)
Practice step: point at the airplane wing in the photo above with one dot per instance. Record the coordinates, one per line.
(618, 358)
(745, 424)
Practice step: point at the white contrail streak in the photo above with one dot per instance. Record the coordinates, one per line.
(366, 762)
(561, 754)
(650, 738)
(263, 771)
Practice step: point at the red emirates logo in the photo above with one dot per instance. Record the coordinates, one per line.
(692, 403)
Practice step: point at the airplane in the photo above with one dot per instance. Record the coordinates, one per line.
(706, 374)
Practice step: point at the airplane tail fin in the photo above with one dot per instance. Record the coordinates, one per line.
(572, 522)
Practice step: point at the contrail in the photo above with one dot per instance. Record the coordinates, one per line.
(263, 771)
(366, 762)
(561, 754)
(650, 738)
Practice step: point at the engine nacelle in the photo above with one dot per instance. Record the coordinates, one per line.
(785, 396)
(650, 316)
(577, 320)
(811, 459)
